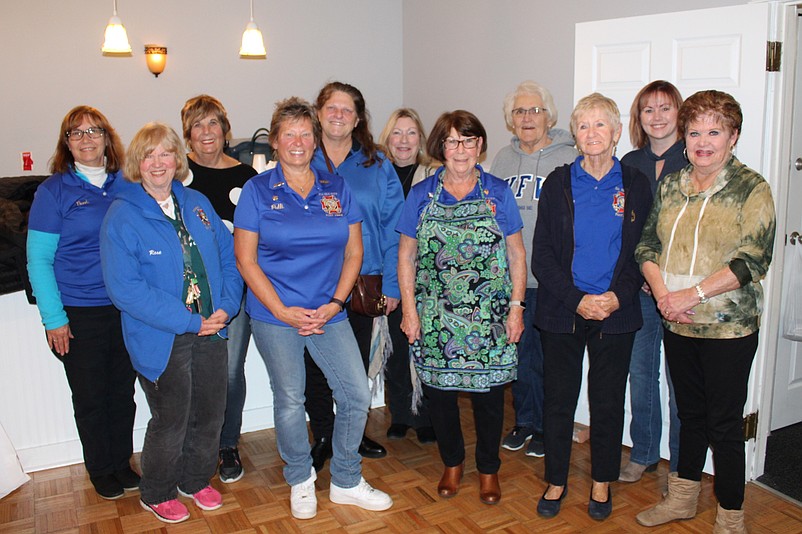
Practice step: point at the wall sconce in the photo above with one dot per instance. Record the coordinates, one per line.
(253, 46)
(116, 39)
(156, 57)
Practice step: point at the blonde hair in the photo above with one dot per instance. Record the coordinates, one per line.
(596, 101)
(145, 140)
(422, 157)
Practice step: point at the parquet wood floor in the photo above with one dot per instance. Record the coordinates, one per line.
(62, 500)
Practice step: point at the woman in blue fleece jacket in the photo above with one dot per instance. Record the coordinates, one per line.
(347, 149)
(168, 262)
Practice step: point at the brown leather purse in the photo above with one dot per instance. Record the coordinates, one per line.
(367, 297)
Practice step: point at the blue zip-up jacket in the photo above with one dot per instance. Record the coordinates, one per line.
(143, 268)
(553, 255)
(379, 195)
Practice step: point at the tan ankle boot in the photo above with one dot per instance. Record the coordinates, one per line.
(680, 503)
(729, 522)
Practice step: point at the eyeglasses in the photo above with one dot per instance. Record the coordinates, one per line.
(93, 133)
(522, 112)
(467, 143)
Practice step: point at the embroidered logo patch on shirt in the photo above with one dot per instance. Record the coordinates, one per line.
(203, 218)
(491, 206)
(331, 205)
(618, 204)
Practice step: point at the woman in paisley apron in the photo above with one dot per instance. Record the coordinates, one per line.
(462, 294)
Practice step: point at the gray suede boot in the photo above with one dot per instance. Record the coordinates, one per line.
(680, 503)
(729, 521)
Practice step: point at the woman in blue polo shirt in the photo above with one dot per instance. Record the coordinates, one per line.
(81, 324)
(298, 243)
(589, 221)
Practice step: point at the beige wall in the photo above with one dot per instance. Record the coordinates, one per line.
(469, 53)
(51, 61)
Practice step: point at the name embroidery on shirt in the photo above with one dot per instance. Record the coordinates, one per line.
(152, 252)
(618, 204)
(331, 205)
(81, 202)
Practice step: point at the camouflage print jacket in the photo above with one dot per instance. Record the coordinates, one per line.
(735, 223)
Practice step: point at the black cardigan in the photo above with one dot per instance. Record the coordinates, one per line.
(553, 255)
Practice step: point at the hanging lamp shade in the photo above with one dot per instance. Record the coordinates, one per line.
(253, 45)
(116, 38)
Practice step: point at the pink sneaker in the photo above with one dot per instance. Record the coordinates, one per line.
(206, 499)
(170, 511)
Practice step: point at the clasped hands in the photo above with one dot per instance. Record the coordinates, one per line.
(677, 306)
(598, 307)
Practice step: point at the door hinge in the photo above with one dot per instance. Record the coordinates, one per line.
(773, 55)
(750, 426)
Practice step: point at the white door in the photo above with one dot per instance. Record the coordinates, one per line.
(721, 48)
(786, 406)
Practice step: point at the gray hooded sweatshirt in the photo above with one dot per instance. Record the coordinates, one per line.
(526, 173)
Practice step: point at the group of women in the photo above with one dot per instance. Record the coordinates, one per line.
(486, 281)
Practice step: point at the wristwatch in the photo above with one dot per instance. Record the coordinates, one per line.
(702, 297)
(519, 303)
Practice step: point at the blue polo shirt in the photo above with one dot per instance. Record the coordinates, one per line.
(301, 241)
(497, 192)
(598, 223)
(67, 206)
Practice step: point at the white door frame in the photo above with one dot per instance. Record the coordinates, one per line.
(777, 162)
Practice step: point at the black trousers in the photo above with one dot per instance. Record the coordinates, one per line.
(710, 383)
(609, 356)
(488, 417)
(319, 403)
(101, 379)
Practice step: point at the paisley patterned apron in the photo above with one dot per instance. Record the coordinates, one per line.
(462, 292)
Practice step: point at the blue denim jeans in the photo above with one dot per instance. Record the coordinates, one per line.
(646, 426)
(239, 335)
(337, 354)
(527, 391)
(186, 403)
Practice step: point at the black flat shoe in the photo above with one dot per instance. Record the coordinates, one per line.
(127, 478)
(397, 431)
(549, 508)
(370, 449)
(107, 487)
(426, 434)
(321, 451)
(600, 510)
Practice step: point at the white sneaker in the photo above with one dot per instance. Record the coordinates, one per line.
(303, 502)
(363, 495)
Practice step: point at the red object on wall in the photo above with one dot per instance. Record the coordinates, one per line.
(27, 161)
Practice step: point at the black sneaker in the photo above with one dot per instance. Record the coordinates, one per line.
(536, 447)
(517, 438)
(230, 465)
(127, 478)
(107, 487)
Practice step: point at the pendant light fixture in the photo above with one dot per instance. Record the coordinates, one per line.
(116, 38)
(253, 46)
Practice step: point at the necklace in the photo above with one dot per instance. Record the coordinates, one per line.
(307, 183)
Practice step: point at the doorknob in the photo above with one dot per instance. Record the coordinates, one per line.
(798, 164)
(795, 236)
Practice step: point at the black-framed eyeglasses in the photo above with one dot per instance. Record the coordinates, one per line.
(94, 133)
(522, 112)
(468, 143)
